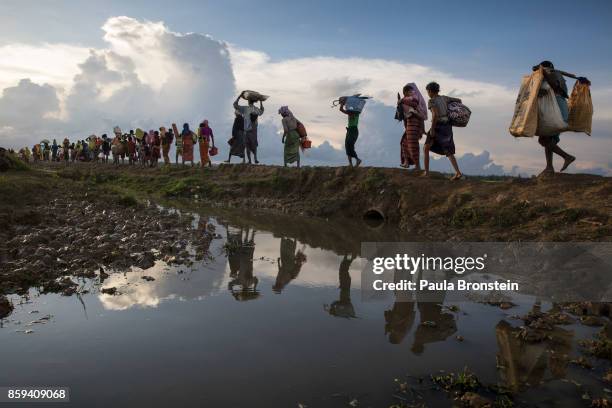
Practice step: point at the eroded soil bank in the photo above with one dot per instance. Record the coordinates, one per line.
(57, 220)
(560, 208)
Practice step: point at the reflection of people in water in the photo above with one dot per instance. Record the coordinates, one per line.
(399, 321)
(343, 306)
(205, 232)
(289, 263)
(435, 325)
(240, 257)
(521, 363)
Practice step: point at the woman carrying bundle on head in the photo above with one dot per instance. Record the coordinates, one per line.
(250, 114)
(291, 137)
(237, 140)
(352, 133)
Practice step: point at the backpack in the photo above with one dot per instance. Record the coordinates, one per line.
(399, 113)
(458, 114)
(399, 110)
(301, 129)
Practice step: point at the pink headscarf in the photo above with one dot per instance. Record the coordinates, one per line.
(422, 107)
(205, 130)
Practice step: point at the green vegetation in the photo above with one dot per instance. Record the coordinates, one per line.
(600, 346)
(478, 208)
(503, 402)
(468, 217)
(10, 161)
(127, 200)
(374, 179)
(463, 381)
(514, 214)
(571, 215)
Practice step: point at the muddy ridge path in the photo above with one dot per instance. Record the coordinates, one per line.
(86, 219)
(564, 207)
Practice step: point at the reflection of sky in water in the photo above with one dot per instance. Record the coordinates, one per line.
(183, 340)
(212, 276)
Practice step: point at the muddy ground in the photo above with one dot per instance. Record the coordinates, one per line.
(58, 223)
(81, 219)
(565, 207)
(53, 229)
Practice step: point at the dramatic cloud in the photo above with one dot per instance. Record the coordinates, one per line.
(51, 63)
(25, 108)
(147, 76)
(308, 86)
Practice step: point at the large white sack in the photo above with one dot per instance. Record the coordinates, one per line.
(550, 119)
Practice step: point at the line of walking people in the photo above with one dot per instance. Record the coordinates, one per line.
(412, 110)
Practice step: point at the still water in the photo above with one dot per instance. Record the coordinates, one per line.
(277, 323)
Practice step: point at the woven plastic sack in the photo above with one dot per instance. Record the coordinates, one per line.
(525, 119)
(580, 109)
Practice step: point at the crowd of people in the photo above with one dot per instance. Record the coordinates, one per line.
(148, 148)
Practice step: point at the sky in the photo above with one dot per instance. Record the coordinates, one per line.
(76, 68)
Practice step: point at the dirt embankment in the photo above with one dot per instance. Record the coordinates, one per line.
(82, 219)
(560, 208)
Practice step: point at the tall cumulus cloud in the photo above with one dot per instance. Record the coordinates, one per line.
(147, 76)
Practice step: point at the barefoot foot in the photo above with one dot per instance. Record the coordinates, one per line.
(547, 172)
(567, 162)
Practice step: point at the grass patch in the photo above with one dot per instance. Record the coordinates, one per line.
(464, 381)
(102, 178)
(282, 182)
(515, 214)
(600, 346)
(128, 200)
(10, 161)
(23, 188)
(572, 215)
(180, 187)
(468, 217)
(374, 179)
